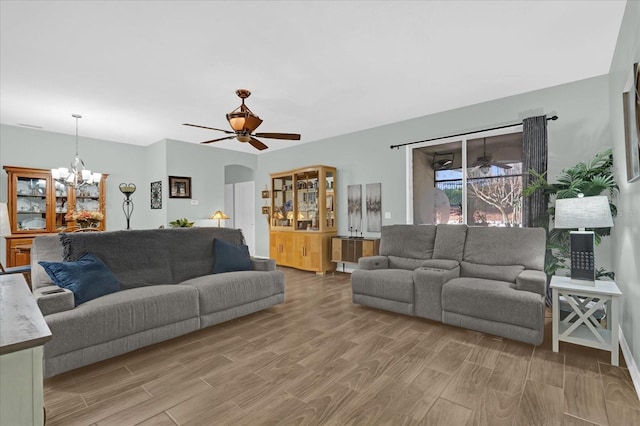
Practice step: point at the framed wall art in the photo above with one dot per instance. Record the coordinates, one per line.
(631, 104)
(179, 187)
(374, 207)
(156, 195)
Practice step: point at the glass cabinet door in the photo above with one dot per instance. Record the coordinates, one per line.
(62, 205)
(307, 198)
(282, 201)
(31, 204)
(330, 200)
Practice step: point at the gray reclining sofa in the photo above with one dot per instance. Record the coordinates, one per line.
(486, 279)
(167, 289)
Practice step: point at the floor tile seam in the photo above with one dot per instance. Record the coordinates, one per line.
(67, 414)
(604, 400)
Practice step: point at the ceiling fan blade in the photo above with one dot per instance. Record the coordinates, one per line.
(219, 139)
(257, 144)
(288, 136)
(209, 128)
(502, 166)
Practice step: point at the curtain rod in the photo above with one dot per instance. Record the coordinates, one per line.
(553, 118)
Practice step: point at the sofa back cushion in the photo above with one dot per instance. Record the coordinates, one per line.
(151, 256)
(505, 246)
(408, 241)
(47, 248)
(450, 242)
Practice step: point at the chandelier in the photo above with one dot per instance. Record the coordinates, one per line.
(77, 176)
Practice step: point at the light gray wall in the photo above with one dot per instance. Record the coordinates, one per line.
(41, 149)
(156, 166)
(206, 167)
(365, 157)
(626, 232)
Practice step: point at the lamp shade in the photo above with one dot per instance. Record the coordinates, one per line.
(583, 212)
(218, 215)
(5, 226)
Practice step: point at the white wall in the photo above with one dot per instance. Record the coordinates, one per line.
(626, 232)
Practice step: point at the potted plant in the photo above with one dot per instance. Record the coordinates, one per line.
(181, 223)
(590, 179)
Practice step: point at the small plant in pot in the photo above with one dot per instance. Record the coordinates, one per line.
(181, 223)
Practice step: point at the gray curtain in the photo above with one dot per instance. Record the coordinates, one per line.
(534, 157)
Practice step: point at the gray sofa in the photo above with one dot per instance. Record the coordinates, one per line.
(167, 290)
(486, 279)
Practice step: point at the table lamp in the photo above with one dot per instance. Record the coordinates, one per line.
(219, 215)
(583, 212)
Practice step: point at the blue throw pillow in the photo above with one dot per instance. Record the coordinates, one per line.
(230, 257)
(88, 277)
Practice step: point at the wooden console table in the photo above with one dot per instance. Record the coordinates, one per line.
(349, 250)
(23, 331)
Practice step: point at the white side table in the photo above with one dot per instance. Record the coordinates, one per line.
(580, 327)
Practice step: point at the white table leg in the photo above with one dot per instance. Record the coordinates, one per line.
(614, 332)
(555, 318)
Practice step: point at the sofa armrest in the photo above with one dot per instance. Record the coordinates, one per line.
(260, 264)
(427, 283)
(52, 299)
(373, 262)
(533, 281)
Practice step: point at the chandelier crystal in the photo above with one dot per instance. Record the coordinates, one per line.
(76, 176)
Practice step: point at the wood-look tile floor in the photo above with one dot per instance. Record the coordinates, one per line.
(320, 359)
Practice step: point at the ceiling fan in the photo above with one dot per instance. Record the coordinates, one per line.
(244, 122)
(484, 162)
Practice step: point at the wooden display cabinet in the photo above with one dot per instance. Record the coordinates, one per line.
(303, 218)
(37, 206)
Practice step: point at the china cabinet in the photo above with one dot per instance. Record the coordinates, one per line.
(38, 205)
(303, 218)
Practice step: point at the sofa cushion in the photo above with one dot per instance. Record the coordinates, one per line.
(441, 264)
(506, 246)
(409, 241)
(449, 243)
(88, 277)
(392, 284)
(118, 315)
(217, 292)
(396, 262)
(229, 257)
(492, 300)
(491, 272)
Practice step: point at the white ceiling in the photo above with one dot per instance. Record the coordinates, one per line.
(136, 70)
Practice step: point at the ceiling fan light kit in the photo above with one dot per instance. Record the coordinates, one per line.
(485, 161)
(244, 122)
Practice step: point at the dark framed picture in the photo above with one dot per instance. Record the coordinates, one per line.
(156, 195)
(266, 194)
(631, 108)
(265, 209)
(179, 187)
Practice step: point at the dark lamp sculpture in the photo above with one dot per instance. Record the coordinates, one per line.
(127, 205)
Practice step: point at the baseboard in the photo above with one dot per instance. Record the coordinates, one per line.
(631, 363)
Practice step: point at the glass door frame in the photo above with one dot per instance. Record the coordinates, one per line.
(463, 140)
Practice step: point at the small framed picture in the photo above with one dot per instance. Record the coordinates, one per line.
(179, 187)
(631, 108)
(265, 209)
(156, 195)
(265, 194)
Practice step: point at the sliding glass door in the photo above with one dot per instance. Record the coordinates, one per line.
(475, 180)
